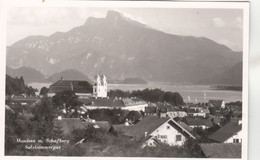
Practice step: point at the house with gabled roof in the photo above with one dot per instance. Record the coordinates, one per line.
(218, 104)
(153, 129)
(230, 133)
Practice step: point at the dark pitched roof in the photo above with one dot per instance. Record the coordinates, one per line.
(147, 124)
(76, 86)
(121, 128)
(226, 132)
(198, 121)
(192, 111)
(102, 102)
(215, 103)
(221, 150)
(150, 109)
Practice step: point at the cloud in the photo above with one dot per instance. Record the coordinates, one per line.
(237, 23)
(218, 22)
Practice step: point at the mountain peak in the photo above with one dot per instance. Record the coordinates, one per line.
(113, 14)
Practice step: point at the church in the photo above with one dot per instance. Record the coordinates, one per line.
(95, 96)
(83, 89)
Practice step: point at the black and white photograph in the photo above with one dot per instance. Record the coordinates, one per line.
(118, 79)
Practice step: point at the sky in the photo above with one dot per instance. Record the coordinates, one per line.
(224, 26)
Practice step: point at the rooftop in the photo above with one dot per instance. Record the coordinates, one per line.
(76, 86)
(215, 103)
(226, 132)
(221, 150)
(198, 121)
(102, 102)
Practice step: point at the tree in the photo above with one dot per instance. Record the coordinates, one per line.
(193, 149)
(44, 91)
(172, 98)
(67, 101)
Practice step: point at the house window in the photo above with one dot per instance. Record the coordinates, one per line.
(168, 127)
(235, 140)
(178, 138)
(163, 136)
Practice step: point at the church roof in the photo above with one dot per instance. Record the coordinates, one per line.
(76, 86)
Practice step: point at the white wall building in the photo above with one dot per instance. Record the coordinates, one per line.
(100, 87)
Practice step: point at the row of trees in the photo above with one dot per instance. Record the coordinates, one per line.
(16, 86)
(150, 95)
(39, 127)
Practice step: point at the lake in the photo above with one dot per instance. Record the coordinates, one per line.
(190, 93)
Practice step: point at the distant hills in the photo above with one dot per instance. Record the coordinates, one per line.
(133, 81)
(69, 75)
(29, 74)
(231, 76)
(120, 48)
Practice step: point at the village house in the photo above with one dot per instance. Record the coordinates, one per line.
(22, 100)
(217, 104)
(195, 122)
(173, 113)
(230, 133)
(201, 112)
(116, 103)
(152, 130)
(150, 110)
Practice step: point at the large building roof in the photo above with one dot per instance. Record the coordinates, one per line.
(226, 132)
(110, 102)
(221, 150)
(102, 102)
(76, 86)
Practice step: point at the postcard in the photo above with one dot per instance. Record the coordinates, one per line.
(125, 79)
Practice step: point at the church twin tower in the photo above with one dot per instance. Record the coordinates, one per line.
(100, 86)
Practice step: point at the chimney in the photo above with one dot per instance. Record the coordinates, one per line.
(145, 134)
(61, 78)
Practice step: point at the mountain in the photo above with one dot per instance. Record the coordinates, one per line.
(133, 81)
(231, 76)
(69, 75)
(119, 48)
(28, 74)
